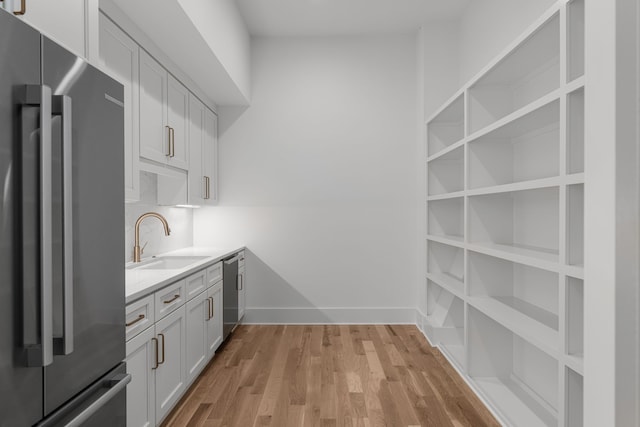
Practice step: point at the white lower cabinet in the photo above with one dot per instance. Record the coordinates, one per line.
(171, 373)
(168, 355)
(141, 391)
(198, 313)
(214, 323)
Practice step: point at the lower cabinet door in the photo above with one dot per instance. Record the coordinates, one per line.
(171, 373)
(214, 324)
(141, 391)
(198, 313)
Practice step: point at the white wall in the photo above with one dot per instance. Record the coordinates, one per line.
(151, 232)
(318, 180)
(488, 26)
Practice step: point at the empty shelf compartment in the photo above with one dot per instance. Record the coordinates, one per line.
(520, 223)
(446, 218)
(526, 149)
(519, 380)
(445, 321)
(575, 39)
(575, 131)
(446, 128)
(445, 266)
(575, 317)
(575, 225)
(446, 173)
(575, 398)
(529, 72)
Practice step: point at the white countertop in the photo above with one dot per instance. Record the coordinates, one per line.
(143, 282)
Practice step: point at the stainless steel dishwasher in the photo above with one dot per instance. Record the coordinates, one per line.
(230, 295)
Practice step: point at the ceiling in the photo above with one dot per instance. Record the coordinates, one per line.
(344, 17)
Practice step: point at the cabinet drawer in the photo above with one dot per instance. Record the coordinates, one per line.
(170, 298)
(214, 274)
(196, 284)
(139, 315)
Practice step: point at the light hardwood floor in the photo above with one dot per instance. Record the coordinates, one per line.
(371, 375)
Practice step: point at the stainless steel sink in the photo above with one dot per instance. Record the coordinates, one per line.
(166, 263)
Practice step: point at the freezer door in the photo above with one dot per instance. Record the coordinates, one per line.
(102, 404)
(20, 386)
(88, 224)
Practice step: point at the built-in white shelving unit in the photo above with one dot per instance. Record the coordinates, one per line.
(505, 226)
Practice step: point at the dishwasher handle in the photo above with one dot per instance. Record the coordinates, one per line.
(230, 261)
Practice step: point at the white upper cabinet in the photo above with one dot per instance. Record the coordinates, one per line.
(154, 134)
(210, 157)
(119, 55)
(178, 122)
(61, 20)
(203, 146)
(197, 184)
(163, 115)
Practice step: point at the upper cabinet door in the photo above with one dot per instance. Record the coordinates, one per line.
(210, 157)
(120, 54)
(197, 184)
(154, 131)
(178, 121)
(63, 21)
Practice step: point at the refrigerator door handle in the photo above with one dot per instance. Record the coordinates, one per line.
(41, 354)
(62, 106)
(116, 385)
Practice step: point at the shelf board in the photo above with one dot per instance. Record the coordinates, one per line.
(575, 362)
(446, 196)
(546, 260)
(575, 84)
(455, 354)
(448, 282)
(446, 150)
(442, 113)
(574, 178)
(514, 403)
(518, 114)
(576, 271)
(457, 241)
(532, 330)
(517, 186)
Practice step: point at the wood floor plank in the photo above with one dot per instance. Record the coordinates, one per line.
(329, 375)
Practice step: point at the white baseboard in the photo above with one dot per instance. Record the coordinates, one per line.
(332, 315)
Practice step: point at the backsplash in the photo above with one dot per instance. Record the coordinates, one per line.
(151, 232)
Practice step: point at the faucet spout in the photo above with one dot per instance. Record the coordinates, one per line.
(137, 251)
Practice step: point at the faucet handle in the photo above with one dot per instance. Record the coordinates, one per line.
(143, 246)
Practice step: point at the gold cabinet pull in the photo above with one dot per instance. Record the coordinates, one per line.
(213, 310)
(175, 297)
(23, 8)
(160, 363)
(155, 341)
(173, 142)
(168, 141)
(208, 309)
(207, 187)
(133, 322)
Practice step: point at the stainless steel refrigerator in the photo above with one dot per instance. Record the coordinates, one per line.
(62, 303)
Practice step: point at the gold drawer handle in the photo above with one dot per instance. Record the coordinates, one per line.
(23, 8)
(175, 297)
(133, 322)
